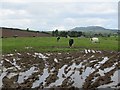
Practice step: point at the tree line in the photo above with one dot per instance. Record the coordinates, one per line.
(79, 34)
(67, 33)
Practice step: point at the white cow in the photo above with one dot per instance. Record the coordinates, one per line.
(94, 40)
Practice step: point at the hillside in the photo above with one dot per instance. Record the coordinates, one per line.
(15, 32)
(95, 29)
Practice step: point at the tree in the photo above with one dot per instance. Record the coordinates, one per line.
(63, 33)
(27, 29)
(74, 33)
(56, 32)
(53, 33)
(79, 34)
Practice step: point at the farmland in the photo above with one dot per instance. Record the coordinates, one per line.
(49, 44)
(42, 62)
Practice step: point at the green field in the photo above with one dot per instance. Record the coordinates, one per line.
(49, 44)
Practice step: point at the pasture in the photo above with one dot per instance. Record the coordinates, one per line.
(49, 44)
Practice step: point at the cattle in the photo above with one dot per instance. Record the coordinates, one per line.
(67, 36)
(71, 41)
(94, 40)
(58, 38)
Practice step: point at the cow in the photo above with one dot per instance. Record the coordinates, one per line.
(94, 40)
(71, 41)
(58, 38)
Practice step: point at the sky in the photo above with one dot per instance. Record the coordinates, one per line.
(48, 15)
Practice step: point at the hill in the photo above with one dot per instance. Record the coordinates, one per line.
(94, 29)
(15, 32)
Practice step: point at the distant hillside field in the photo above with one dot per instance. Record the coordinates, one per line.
(49, 44)
(94, 29)
(14, 32)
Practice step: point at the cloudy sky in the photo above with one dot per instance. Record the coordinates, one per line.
(58, 14)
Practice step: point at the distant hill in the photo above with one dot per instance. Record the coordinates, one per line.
(94, 29)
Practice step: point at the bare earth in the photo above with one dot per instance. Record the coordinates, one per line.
(85, 69)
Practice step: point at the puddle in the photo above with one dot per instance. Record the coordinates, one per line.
(114, 78)
(86, 51)
(19, 54)
(89, 51)
(104, 60)
(28, 54)
(101, 62)
(1, 67)
(59, 53)
(48, 54)
(52, 69)
(92, 56)
(10, 75)
(87, 72)
(78, 79)
(1, 78)
(108, 69)
(68, 57)
(41, 78)
(60, 78)
(73, 74)
(14, 63)
(40, 55)
(1, 63)
(25, 75)
(101, 72)
(93, 61)
(73, 68)
(92, 51)
(55, 60)
(98, 51)
(9, 54)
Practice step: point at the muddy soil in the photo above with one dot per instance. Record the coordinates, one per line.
(88, 69)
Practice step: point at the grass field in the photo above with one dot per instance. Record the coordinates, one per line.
(49, 44)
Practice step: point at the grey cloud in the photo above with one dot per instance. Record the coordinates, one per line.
(47, 15)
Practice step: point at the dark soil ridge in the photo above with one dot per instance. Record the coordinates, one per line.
(18, 63)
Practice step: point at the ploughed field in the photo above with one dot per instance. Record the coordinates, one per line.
(87, 68)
